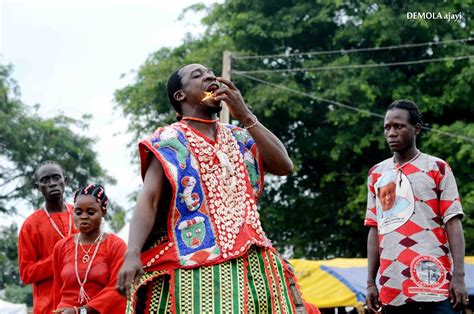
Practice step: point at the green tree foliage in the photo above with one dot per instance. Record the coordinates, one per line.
(318, 211)
(116, 216)
(27, 140)
(8, 256)
(19, 294)
(15, 291)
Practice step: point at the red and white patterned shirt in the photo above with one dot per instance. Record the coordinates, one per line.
(410, 205)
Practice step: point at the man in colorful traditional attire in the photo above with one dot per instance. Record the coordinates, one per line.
(40, 232)
(196, 224)
(414, 213)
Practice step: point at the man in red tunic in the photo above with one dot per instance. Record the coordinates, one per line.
(40, 232)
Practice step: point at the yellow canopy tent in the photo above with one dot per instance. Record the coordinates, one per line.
(324, 288)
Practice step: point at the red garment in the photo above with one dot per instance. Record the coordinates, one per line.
(101, 280)
(35, 248)
(213, 214)
(311, 308)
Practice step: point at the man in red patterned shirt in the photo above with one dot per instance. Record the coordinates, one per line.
(416, 240)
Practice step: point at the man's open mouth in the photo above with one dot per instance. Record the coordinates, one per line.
(212, 87)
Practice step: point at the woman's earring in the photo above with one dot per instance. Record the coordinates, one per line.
(102, 224)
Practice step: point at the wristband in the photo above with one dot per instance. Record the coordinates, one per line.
(252, 125)
(371, 285)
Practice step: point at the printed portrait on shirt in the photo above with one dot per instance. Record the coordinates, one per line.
(394, 200)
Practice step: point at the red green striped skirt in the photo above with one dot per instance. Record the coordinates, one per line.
(258, 282)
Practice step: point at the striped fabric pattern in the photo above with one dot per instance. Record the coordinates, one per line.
(255, 283)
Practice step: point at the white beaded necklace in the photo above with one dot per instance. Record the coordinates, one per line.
(56, 226)
(83, 297)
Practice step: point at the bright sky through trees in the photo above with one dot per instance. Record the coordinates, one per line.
(69, 56)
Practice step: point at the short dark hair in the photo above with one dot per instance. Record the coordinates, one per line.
(95, 190)
(174, 84)
(415, 114)
(48, 162)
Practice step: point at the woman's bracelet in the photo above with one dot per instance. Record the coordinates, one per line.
(371, 285)
(253, 124)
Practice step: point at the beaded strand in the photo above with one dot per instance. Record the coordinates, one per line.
(199, 120)
(83, 297)
(55, 226)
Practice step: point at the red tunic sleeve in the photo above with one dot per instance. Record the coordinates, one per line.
(36, 241)
(32, 268)
(108, 300)
(35, 245)
(57, 266)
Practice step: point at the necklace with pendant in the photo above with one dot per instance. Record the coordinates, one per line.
(86, 257)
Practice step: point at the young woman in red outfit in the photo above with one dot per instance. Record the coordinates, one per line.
(86, 265)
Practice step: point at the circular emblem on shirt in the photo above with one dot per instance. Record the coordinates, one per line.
(427, 272)
(394, 200)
